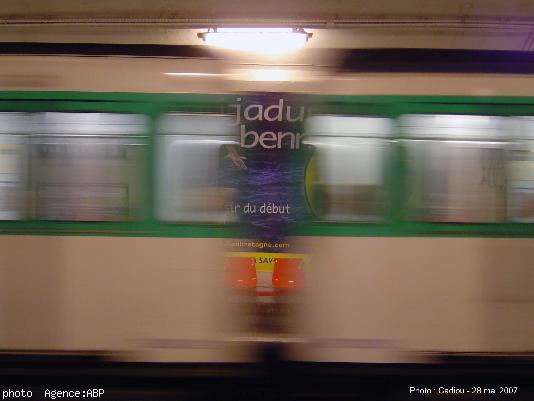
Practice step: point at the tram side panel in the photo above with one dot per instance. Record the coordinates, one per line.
(507, 283)
(384, 299)
(432, 293)
(31, 272)
(85, 284)
(155, 299)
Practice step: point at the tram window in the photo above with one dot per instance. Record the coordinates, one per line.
(89, 166)
(14, 128)
(193, 184)
(521, 170)
(351, 154)
(456, 167)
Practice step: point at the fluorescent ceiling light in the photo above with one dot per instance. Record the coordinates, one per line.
(270, 74)
(276, 74)
(193, 74)
(269, 41)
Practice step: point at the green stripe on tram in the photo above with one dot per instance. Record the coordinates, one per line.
(153, 104)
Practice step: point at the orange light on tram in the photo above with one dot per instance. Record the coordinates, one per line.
(288, 274)
(241, 273)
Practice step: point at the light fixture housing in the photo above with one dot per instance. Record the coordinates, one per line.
(267, 41)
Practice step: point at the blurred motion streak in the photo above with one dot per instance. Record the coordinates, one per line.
(163, 227)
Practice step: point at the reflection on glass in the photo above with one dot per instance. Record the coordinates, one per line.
(456, 167)
(521, 170)
(351, 154)
(193, 183)
(89, 167)
(14, 129)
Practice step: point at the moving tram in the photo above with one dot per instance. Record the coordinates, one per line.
(415, 237)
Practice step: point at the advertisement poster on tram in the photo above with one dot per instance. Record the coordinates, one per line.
(269, 168)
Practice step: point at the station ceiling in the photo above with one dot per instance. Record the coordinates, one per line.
(309, 11)
(458, 24)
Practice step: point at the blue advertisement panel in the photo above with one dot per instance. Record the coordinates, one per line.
(269, 168)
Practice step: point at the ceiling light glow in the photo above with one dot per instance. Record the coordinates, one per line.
(268, 41)
(192, 74)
